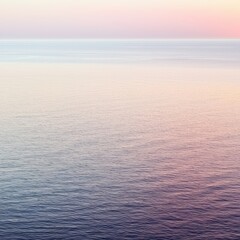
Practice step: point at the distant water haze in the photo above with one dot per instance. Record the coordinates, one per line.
(148, 51)
(119, 139)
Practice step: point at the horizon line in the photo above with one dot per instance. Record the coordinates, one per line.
(117, 38)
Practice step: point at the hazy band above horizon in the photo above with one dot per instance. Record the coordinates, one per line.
(123, 19)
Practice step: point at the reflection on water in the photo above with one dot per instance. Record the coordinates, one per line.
(119, 151)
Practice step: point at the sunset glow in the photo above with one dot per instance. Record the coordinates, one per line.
(113, 19)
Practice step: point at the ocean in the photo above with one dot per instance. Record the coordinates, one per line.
(119, 139)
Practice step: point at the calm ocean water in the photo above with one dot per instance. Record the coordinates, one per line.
(120, 139)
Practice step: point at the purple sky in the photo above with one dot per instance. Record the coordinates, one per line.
(120, 18)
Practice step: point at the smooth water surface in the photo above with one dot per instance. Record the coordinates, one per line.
(138, 140)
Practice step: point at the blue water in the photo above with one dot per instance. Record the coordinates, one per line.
(119, 139)
(123, 51)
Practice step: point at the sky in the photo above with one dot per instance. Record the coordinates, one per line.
(119, 18)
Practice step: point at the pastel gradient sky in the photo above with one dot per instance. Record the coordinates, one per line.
(120, 18)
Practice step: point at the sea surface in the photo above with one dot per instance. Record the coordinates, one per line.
(119, 139)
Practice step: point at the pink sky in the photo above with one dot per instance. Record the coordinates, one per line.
(120, 18)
